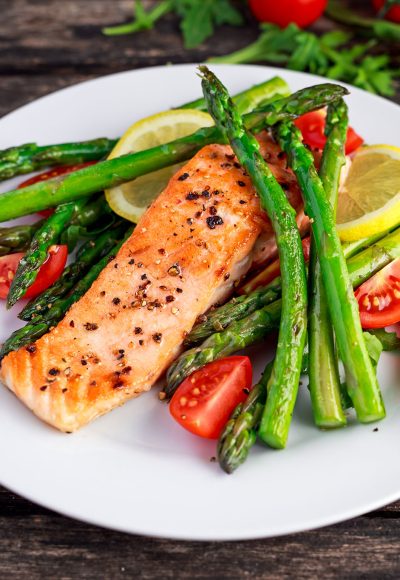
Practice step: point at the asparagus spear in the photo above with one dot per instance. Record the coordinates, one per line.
(285, 375)
(240, 432)
(43, 323)
(17, 238)
(324, 381)
(361, 380)
(87, 255)
(109, 173)
(47, 235)
(31, 157)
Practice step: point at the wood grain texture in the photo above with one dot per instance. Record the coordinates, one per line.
(49, 44)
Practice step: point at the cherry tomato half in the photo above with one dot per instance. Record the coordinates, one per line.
(50, 174)
(204, 401)
(312, 126)
(49, 272)
(301, 12)
(379, 297)
(393, 14)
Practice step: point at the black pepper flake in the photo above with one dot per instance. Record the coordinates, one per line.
(241, 183)
(376, 429)
(43, 388)
(64, 390)
(226, 165)
(169, 298)
(179, 290)
(72, 324)
(91, 326)
(102, 293)
(93, 383)
(111, 258)
(126, 370)
(192, 195)
(118, 384)
(143, 277)
(230, 156)
(115, 265)
(227, 276)
(54, 372)
(162, 251)
(140, 265)
(183, 176)
(138, 330)
(141, 342)
(213, 210)
(131, 262)
(116, 301)
(83, 362)
(163, 288)
(213, 221)
(237, 165)
(197, 214)
(242, 202)
(205, 193)
(157, 336)
(174, 270)
(189, 221)
(216, 192)
(31, 348)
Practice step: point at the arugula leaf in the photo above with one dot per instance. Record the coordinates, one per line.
(200, 18)
(389, 340)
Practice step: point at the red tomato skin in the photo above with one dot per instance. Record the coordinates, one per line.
(301, 12)
(49, 272)
(8, 267)
(312, 127)
(51, 174)
(384, 285)
(204, 401)
(393, 14)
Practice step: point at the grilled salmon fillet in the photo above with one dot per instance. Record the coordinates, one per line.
(198, 238)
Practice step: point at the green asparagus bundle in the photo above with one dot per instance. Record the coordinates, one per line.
(32, 157)
(44, 322)
(246, 331)
(284, 380)
(106, 174)
(361, 379)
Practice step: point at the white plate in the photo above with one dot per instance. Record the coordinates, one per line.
(135, 469)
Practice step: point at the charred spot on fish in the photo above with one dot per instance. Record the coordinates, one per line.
(183, 176)
(197, 214)
(213, 221)
(64, 390)
(116, 265)
(162, 251)
(118, 384)
(141, 342)
(237, 165)
(179, 290)
(138, 330)
(43, 388)
(131, 262)
(230, 156)
(169, 298)
(241, 183)
(140, 264)
(205, 193)
(157, 337)
(91, 326)
(242, 202)
(84, 362)
(213, 210)
(126, 370)
(54, 372)
(93, 383)
(102, 293)
(174, 270)
(143, 277)
(31, 349)
(192, 195)
(72, 324)
(216, 192)
(189, 221)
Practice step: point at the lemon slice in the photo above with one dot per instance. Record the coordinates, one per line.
(369, 198)
(130, 200)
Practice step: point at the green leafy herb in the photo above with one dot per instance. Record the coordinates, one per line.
(325, 55)
(198, 18)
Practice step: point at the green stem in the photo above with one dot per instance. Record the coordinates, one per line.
(143, 20)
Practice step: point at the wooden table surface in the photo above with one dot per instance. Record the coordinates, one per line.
(49, 44)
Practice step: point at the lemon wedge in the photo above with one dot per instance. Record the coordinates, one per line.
(130, 200)
(369, 197)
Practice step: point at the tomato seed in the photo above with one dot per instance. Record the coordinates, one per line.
(183, 401)
(196, 391)
(193, 403)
